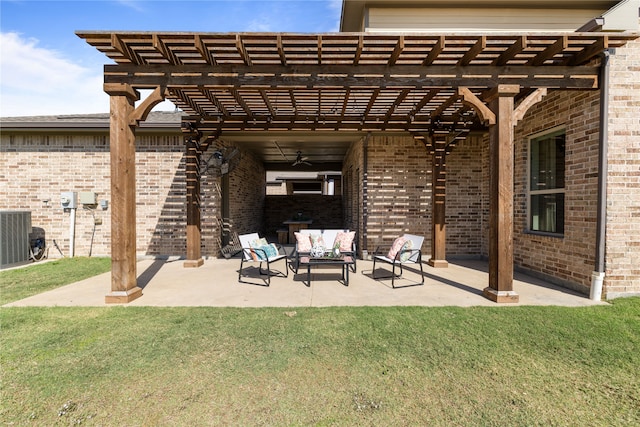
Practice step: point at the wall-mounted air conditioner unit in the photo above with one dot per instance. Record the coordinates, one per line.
(15, 227)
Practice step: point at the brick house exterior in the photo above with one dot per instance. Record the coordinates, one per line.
(386, 188)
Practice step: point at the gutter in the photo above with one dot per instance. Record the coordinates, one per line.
(597, 277)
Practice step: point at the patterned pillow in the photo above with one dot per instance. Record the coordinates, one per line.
(344, 241)
(317, 240)
(258, 244)
(271, 250)
(304, 242)
(404, 256)
(396, 247)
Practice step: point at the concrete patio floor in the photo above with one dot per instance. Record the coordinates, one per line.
(167, 283)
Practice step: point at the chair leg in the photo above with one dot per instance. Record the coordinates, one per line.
(373, 273)
(268, 273)
(240, 272)
(393, 275)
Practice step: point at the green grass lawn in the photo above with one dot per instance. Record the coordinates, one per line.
(36, 278)
(321, 366)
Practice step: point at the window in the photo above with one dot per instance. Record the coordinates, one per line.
(546, 183)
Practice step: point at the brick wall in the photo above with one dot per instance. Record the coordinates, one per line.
(569, 259)
(352, 194)
(247, 183)
(467, 203)
(37, 167)
(623, 191)
(399, 192)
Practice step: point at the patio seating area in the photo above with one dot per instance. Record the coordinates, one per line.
(167, 283)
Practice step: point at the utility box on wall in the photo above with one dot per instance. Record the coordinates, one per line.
(87, 198)
(69, 200)
(15, 227)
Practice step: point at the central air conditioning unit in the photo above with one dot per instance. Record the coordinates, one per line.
(15, 227)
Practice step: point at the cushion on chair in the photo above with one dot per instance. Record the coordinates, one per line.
(404, 256)
(259, 242)
(304, 242)
(344, 241)
(270, 249)
(396, 247)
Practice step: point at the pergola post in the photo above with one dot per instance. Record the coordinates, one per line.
(124, 286)
(194, 226)
(438, 202)
(501, 161)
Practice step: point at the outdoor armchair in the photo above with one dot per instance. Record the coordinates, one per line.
(405, 250)
(256, 249)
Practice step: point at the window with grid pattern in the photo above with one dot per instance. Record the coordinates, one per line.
(546, 183)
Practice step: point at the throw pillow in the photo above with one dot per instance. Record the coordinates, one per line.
(258, 243)
(304, 242)
(317, 240)
(404, 256)
(396, 247)
(270, 250)
(344, 241)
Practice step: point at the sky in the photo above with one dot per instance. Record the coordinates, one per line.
(45, 69)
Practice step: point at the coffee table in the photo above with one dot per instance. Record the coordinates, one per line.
(344, 261)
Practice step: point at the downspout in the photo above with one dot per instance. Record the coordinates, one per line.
(597, 277)
(365, 201)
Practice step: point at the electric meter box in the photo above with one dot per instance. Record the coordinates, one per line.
(87, 198)
(69, 200)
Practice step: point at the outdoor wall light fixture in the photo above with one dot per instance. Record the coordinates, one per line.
(217, 158)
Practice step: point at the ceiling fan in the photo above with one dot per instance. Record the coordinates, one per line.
(301, 160)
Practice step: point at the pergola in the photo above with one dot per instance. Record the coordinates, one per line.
(437, 87)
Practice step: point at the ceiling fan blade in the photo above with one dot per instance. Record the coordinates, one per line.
(301, 160)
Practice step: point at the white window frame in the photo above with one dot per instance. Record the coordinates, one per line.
(541, 135)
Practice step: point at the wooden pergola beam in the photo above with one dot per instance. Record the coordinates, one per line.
(340, 76)
(438, 200)
(501, 166)
(124, 287)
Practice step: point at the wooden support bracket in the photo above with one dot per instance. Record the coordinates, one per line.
(527, 103)
(486, 115)
(142, 111)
